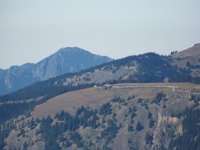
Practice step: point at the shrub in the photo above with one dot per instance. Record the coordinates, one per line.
(139, 127)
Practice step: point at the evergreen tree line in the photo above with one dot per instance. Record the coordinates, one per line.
(13, 110)
(85, 117)
(190, 140)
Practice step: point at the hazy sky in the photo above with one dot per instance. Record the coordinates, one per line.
(33, 29)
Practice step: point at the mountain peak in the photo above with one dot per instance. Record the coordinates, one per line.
(65, 60)
(71, 49)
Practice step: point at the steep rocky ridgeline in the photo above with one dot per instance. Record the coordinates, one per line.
(66, 60)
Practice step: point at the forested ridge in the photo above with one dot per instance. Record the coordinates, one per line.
(152, 68)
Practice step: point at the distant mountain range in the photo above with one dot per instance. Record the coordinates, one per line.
(145, 68)
(66, 60)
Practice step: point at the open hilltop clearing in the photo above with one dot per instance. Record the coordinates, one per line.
(98, 95)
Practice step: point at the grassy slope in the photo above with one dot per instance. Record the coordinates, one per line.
(96, 96)
(162, 114)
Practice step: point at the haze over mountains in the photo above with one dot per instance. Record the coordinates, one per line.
(138, 112)
(66, 60)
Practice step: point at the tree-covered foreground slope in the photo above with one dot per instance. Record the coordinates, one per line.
(127, 116)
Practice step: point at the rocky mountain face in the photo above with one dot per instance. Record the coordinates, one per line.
(66, 60)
